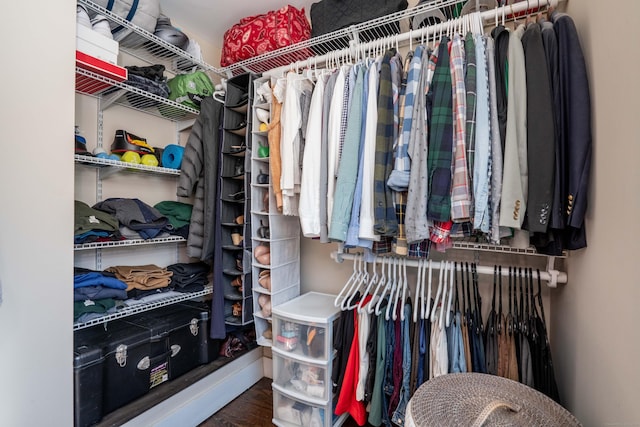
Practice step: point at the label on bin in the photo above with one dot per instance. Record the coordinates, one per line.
(159, 374)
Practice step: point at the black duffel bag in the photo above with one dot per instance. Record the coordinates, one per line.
(331, 15)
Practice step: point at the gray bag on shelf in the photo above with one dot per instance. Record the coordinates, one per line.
(142, 13)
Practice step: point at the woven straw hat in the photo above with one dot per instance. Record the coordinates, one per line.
(473, 399)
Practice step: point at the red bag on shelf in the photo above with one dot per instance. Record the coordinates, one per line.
(259, 34)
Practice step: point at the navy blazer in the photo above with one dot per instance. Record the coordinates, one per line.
(575, 127)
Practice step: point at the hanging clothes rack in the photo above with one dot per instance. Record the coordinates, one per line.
(504, 13)
(551, 276)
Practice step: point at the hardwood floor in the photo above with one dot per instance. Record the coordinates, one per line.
(252, 408)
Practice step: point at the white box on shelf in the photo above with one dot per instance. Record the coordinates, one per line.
(95, 44)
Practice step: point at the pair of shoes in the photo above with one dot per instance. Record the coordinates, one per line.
(82, 16)
(100, 24)
(237, 239)
(238, 168)
(236, 309)
(237, 283)
(238, 195)
(238, 148)
(239, 265)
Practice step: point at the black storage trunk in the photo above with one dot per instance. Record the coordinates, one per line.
(211, 350)
(87, 381)
(125, 365)
(179, 333)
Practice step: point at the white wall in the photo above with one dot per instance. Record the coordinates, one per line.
(36, 219)
(596, 339)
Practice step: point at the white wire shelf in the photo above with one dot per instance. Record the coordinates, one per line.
(488, 247)
(375, 29)
(140, 308)
(121, 93)
(128, 242)
(122, 166)
(149, 48)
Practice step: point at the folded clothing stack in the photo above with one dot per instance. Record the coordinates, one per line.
(143, 277)
(189, 277)
(95, 293)
(93, 225)
(136, 218)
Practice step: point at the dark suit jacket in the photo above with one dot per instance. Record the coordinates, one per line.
(575, 127)
(540, 132)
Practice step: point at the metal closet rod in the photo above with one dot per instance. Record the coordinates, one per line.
(550, 275)
(508, 11)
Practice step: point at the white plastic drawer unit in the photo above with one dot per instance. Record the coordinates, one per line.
(290, 411)
(303, 327)
(304, 379)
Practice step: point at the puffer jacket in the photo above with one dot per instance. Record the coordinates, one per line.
(199, 172)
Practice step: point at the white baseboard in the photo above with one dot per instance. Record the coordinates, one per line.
(199, 401)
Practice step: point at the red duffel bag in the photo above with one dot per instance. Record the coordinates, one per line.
(258, 34)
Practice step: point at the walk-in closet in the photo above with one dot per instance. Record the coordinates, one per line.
(425, 216)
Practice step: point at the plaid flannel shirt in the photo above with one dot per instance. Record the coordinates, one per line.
(440, 138)
(460, 191)
(386, 223)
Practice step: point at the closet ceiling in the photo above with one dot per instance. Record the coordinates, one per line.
(209, 19)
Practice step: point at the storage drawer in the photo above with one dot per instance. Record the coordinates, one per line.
(300, 378)
(302, 339)
(290, 411)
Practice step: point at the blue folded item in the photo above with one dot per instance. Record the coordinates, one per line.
(97, 279)
(98, 292)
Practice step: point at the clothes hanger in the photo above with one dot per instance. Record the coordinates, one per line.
(347, 285)
(443, 302)
(399, 285)
(381, 283)
(469, 310)
(534, 330)
(438, 293)
(510, 314)
(427, 312)
(392, 292)
(370, 283)
(499, 326)
(416, 300)
(451, 274)
(402, 286)
(478, 300)
(457, 298)
(386, 287)
(347, 303)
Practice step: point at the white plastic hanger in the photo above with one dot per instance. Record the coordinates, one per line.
(394, 286)
(438, 293)
(443, 305)
(371, 282)
(387, 286)
(401, 288)
(381, 283)
(423, 301)
(348, 284)
(427, 312)
(417, 301)
(451, 276)
(347, 302)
